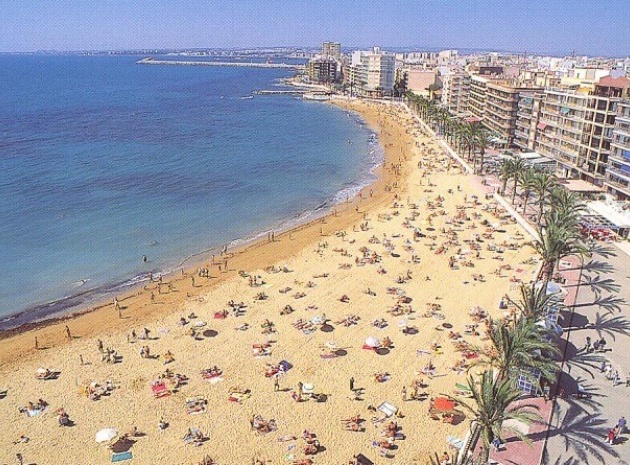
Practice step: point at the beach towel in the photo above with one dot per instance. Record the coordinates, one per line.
(34, 413)
(122, 456)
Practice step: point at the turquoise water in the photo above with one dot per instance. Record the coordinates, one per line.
(103, 161)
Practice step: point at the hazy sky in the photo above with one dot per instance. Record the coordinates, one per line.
(587, 26)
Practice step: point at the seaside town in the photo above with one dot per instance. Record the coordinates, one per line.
(469, 307)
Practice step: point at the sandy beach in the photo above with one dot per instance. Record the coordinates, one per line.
(419, 258)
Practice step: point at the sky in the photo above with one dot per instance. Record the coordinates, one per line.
(600, 27)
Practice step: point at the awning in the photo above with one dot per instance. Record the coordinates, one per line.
(542, 126)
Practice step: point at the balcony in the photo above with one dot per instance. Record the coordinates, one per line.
(625, 175)
(523, 124)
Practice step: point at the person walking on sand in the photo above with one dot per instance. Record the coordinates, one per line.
(404, 393)
(352, 384)
(276, 383)
(36, 343)
(68, 334)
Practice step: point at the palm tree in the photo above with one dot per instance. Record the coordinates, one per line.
(567, 204)
(466, 135)
(543, 184)
(442, 117)
(522, 345)
(518, 167)
(494, 400)
(527, 181)
(559, 238)
(533, 301)
(482, 142)
(507, 168)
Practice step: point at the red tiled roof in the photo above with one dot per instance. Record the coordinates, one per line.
(609, 81)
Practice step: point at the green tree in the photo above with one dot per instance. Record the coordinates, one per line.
(493, 402)
(543, 184)
(527, 182)
(517, 169)
(521, 343)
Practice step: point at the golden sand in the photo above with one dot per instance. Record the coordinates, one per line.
(320, 267)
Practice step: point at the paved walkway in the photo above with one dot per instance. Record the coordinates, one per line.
(578, 427)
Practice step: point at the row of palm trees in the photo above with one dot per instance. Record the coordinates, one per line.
(468, 138)
(522, 344)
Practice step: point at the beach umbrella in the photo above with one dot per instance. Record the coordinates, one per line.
(372, 342)
(106, 435)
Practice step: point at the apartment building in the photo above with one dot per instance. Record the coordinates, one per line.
(617, 180)
(494, 100)
(372, 71)
(456, 90)
(527, 114)
(332, 50)
(322, 70)
(576, 127)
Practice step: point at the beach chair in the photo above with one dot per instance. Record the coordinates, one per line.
(160, 390)
(387, 409)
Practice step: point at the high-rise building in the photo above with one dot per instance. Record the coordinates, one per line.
(527, 116)
(332, 49)
(455, 90)
(494, 101)
(322, 70)
(576, 127)
(617, 179)
(372, 71)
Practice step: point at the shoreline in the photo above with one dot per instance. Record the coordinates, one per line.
(65, 308)
(334, 270)
(135, 292)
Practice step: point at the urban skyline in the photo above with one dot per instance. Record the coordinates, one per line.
(534, 27)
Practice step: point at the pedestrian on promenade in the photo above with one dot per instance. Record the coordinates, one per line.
(621, 424)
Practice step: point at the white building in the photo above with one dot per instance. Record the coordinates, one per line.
(372, 71)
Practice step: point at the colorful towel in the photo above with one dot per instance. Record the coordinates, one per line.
(122, 456)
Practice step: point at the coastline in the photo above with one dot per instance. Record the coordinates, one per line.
(14, 342)
(62, 309)
(323, 261)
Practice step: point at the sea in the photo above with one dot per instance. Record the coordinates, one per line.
(104, 161)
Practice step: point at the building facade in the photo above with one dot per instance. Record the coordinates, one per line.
(617, 179)
(576, 128)
(322, 70)
(456, 90)
(527, 115)
(372, 72)
(332, 49)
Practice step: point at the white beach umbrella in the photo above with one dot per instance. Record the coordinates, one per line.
(106, 435)
(372, 342)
